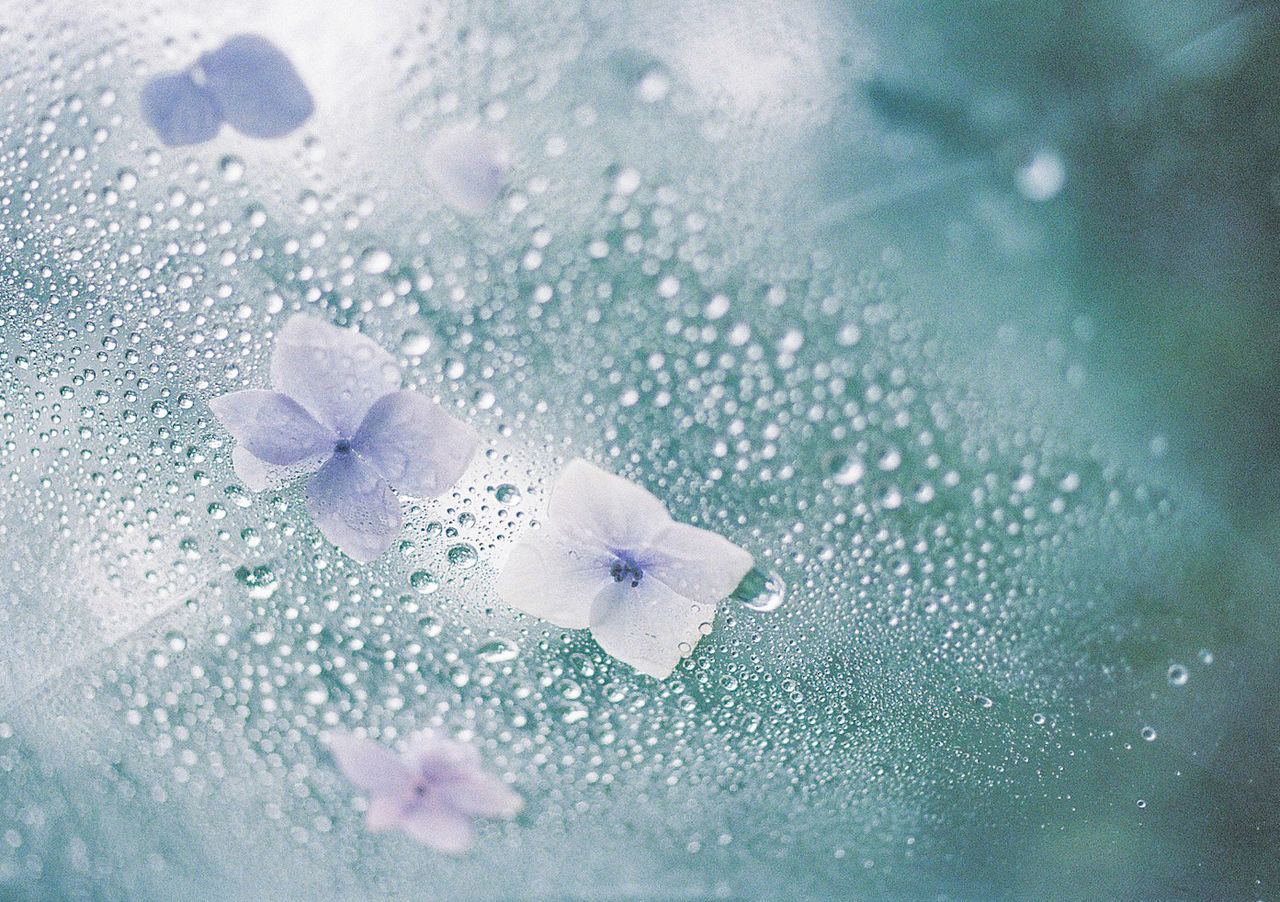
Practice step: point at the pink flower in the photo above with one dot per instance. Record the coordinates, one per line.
(433, 791)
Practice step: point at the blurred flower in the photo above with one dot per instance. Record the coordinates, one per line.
(247, 83)
(337, 412)
(432, 792)
(469, 166)
(611, 559)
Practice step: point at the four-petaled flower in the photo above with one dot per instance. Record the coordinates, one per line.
(432, 792)
(337, 412)
(611, 559)
(247, 83)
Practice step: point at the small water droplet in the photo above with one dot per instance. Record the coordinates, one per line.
(415, 344)
(497, 651)
(654, 84)
(232, 168)
(1148, 734)
(375, 261)
(849, 470)
(260, 580)
(1177, 675)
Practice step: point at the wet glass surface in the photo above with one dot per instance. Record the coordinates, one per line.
(961, 322)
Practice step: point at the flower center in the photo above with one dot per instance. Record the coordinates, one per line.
(626, 571)
(342, 447)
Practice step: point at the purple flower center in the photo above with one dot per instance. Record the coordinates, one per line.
(342, 447)
(624, 569)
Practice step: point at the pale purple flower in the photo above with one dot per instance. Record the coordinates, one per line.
(337, 412)
(469, 167)
(247, 83)
(611, 559)
(433, 791)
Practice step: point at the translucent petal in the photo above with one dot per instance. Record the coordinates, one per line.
(697, 563)
(179, 110)
(551, 578)
(336, 374)
(368, 765)
(354, 507)
(417, 447)
(255, 87)
(645, 625)
(469, 166)
(274, 427)
(440, 827)
(259, 475)
(386, 811)
(482, 794)
(594, 507)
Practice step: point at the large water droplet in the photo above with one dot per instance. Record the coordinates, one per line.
(761, 591)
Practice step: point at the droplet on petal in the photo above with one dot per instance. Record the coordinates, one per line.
(180, 111)
(469, 165)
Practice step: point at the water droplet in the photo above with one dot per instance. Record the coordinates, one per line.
(1148, 734)
(1177, 675)
(415, 344)
(507, 493)
(497, 651)
(175, 640)
(423, 582)
(654, 84)
(375, 261)
(260, 580)
(463, 556)
(850, 471)
(760, 591)
(232, 168)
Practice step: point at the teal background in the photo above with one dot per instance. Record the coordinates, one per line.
(1014, 459)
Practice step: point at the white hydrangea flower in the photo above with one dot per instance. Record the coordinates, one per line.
(611, 559)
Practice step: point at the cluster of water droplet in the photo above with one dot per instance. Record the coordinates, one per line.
(927, 576)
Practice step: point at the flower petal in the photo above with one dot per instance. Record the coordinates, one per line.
(482, 794)
(469, 165)
(550, 578)
(274, 427)
(179, 110)
(255, 87)
(259, 475)
(439, 827)
(645, 625)
(385, 811)
(354, 507)
(336, 374)
(697, 563)
(415, 445)
(591, 506)
(368, 765)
